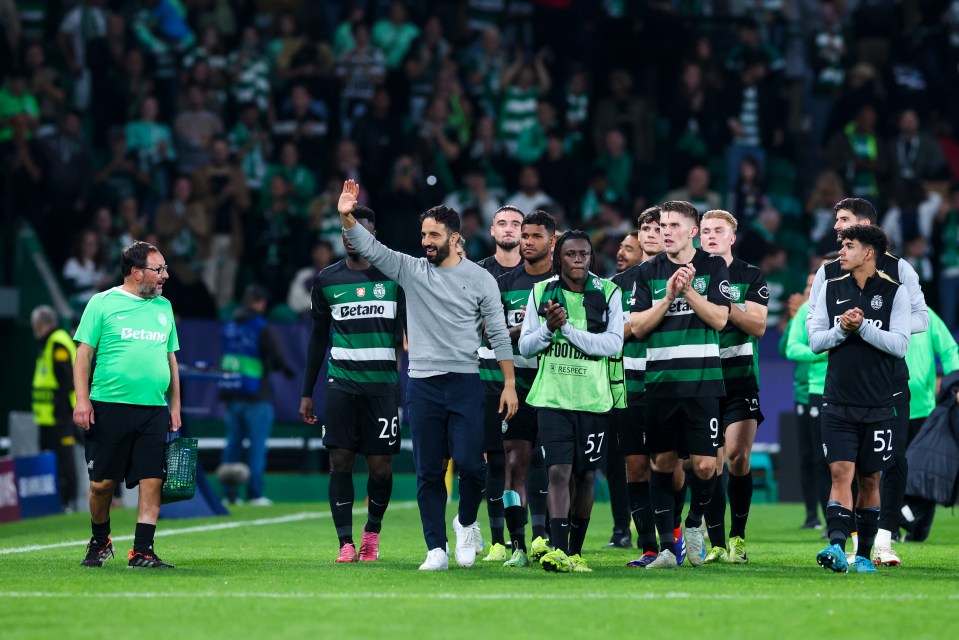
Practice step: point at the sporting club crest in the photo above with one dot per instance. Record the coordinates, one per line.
(379, 291)
(876, 303)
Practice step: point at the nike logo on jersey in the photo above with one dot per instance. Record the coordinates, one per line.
(595, 459)
(337, 295)
(886, 457)
(898, 393)
(658, 291)
(518, 300)
(122, 317)
(842, 301)
(391, 442)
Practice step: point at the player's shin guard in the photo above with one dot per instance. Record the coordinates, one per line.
(379, 492)
(867, 524)
(662, 496)
(716, 514)
(740, 499)
(537, 482)
(577, 534)
(341, 504)
(642, 511)
(495, 481)
(515, 519)
(839, 523)
(700, 495)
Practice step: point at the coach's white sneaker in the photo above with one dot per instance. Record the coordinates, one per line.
(886, 557)
(436, 560)
(478, 543)
(465, 550)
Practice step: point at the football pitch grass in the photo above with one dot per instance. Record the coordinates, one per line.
(269, 573)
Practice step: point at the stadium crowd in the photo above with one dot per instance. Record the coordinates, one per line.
(222, 131)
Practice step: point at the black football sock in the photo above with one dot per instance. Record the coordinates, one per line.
(537, 482)
(867, 524)
(740, 499)
(577, 534)
(642, 512)
(515, 519)
(716, 515)
(839, 523)
(679, 501)
(700, 495)
(143, 538)
(559, 534)
(378, 492)
(341, 505)
(101, 532)
(661, 496)
(495, 481)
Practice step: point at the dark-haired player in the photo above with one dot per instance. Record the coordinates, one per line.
(681, 305)
(852, 211)
(524, 461)
(365, 310)
(863, 320)
(506, 229)
(574, 325)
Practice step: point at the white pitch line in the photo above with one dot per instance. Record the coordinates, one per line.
(379, 595)
(219, 526)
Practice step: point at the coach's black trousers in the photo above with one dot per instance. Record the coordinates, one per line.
(446, 415)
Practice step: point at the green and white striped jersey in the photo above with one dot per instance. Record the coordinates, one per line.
(367, 309)
(634, 349)
(682, 352)
(740, 352)
(514, 287)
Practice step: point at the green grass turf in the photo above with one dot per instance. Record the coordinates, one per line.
(278, 581)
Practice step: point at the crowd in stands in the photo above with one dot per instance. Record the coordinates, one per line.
(222, 130)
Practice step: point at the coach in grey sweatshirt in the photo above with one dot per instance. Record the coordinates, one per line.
(447, 300)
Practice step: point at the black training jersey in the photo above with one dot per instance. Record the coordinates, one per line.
(682, 352)
(888, 265)
(859, 374)
(514, 287)
(634, 349)
(367, 310)
(738, 351)
(496, 269)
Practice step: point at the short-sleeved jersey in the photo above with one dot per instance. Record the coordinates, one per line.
(682, 352)
(634, 349)
(514, 288)
(132, 337)
(739, 351)
(494, 268)
(366, 309)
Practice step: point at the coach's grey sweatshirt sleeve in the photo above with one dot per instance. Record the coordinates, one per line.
(534, 337)
(491, 308)
(817, 285)
(823, 334)
(895, 341)
(393, 264)
(919, 314)
(607, 343)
